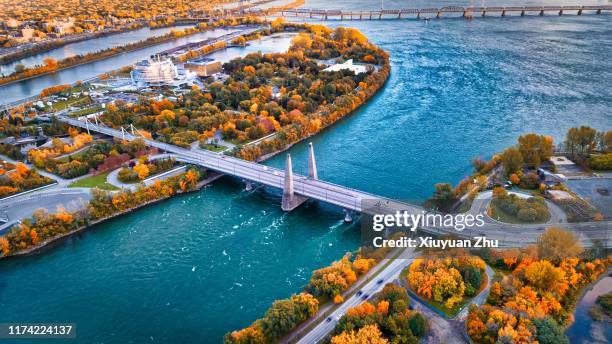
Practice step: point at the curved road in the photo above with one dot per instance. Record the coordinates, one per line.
(23, 206)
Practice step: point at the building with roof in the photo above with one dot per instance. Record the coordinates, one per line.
(159, 72)
(348, 65)
(204, 67)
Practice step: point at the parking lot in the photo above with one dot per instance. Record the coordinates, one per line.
(597, 191)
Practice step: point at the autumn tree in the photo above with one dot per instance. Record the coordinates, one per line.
(368, 334)
(580, 141)
(5, 247)
(535, 148)
(301, 41)
(556, 243)
(284, 315)
(512, 160)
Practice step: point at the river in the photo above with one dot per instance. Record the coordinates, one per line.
(30, 87)
(585, 329)
(199, 265)
(90, 46)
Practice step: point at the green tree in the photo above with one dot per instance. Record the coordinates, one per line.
(443, 197)
(473, 276)
(557, 243)
(418, 325)
(549, 332)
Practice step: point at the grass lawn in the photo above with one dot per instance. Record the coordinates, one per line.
(64, 104)
(502, 216)
(98, 181)
(86, 111)
(213, 147)
(66, 158)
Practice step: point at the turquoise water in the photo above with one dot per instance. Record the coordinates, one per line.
(194, 267)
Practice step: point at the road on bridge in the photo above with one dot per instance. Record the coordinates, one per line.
(509, 235)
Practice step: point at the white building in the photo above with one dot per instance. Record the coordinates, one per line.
(348, 65)
(159, 72)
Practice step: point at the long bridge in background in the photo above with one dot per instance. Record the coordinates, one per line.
(442, 12)
(296, 189)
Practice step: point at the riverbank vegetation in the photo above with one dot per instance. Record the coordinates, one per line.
(283, 93)
(280, 319)
(602, 309)
(384, 319)
(511, 208)
(20, 179)
(44, 226)
(535, 299)
(447, 283)
(518, 166)
(325, 284)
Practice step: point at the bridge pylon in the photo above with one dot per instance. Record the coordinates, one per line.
(312, 164)
(290, 200)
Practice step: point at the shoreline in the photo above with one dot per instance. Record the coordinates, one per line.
(49, 243)
(582, 293)
(104, 57)
(10, 58)
(215, 175)
(351, 113)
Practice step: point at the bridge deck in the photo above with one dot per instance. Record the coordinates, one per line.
(325, 14)
(338, 195)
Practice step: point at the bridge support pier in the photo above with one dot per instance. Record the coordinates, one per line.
(503, 13)
(360, 15)
(580, 12)
(347, 216)
(599, 11)
(522, 13)
(484, 13)
(560, 12)
(541, 13)
(290, 200)
(249, 186)
(312, 164)
(418, 15)
(439, 15)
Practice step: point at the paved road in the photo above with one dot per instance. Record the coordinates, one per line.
(113, 177)
(391, 272)
(21, 207)
(444, 330)
(482, 201)
(509, 235)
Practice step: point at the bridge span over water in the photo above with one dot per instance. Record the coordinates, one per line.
(442, 12)
(298, 188)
